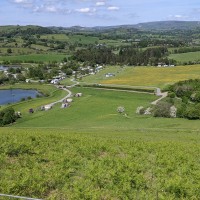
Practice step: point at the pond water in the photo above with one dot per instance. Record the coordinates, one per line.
(15, 95)
(2, 68)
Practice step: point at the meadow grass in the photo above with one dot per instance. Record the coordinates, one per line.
(60, 37)
(16, 51)
(145, 76)
(61, 164)
(186, 57)
(90, 151)
(34, 58)
(71, 38)
(97, 111)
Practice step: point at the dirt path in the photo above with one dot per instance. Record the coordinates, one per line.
(61, 100)
(162, 96)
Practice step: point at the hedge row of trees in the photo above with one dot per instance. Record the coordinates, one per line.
(126, 55)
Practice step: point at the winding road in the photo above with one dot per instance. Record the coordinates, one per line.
(61, 100)
(158, 92)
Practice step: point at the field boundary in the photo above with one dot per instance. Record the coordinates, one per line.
(150, 90)
(18, 197)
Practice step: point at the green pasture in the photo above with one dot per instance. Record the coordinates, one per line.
(61, 164)
(97, 111)
(60, 37)
(186, 57)
(16, 51)
(34, 58)
(90, 151)
(145, 76)
(83, 39)
(100, 76)
(39, 47)
(114, 42)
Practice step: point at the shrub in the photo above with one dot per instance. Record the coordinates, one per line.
(120, 109)
(181, 109)
(29, 97)
(172, 95)
(192, 113)
(162, 109)
(22, 99)
(195, 97)
(7, 116)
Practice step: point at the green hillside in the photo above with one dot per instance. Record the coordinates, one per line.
(58, 164)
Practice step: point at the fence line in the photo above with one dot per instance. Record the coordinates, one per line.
(18, 197)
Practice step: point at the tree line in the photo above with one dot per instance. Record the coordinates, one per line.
(126, 56)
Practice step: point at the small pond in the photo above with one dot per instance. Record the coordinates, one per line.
(15, 95)
(2, 68)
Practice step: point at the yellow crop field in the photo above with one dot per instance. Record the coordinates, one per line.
(154, 76)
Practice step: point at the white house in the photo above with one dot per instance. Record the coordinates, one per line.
(55, 81)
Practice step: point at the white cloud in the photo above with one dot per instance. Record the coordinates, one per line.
(113, 8)
(178, 17)
(89, 7)
(86, 10)
(51, 9)
(100, 3)
(83, 10)
(19, 1)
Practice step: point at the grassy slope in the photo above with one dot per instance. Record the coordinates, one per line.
(186, 57)
(34, 57)
(96, 112)
(146, 76)
(58, 164)
(89, 151)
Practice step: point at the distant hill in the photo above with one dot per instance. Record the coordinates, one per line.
(148, 26)
(19, 30)
(168, 25)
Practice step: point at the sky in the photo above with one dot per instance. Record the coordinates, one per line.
(89, 13)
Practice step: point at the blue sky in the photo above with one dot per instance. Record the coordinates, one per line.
(95, 12)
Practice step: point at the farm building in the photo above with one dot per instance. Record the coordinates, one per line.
(55, 81)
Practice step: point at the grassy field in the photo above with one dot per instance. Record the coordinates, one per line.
(145, 76)
(71, 38)
(97, 111)
(89, 151)
(60, 164)
(186, 57)
(16, 51)
(34, 58)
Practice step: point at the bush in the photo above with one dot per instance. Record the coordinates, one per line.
(120, 109)
(22, 99)
(192, 113)
(29, 97)
(7, 116)
(195, 97)
(162, 109)
(181, 110)
(172, 95)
